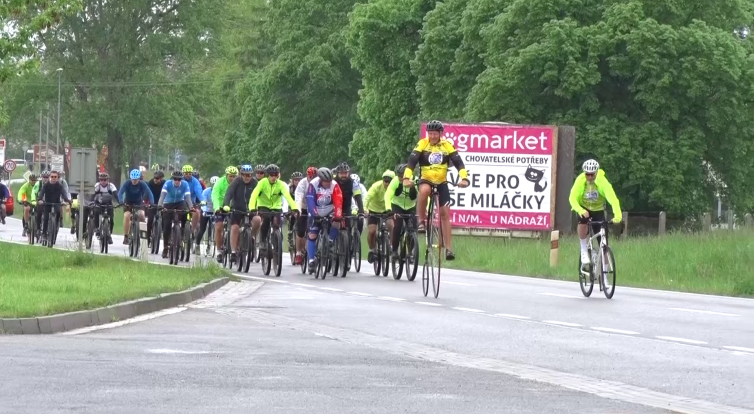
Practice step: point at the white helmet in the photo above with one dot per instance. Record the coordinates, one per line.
(355, 178)
(590, 166)
(213, 180)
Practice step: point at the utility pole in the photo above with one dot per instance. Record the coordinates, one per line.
(39, 148)
(57, 140)
(47, 139)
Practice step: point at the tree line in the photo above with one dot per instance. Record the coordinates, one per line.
(660, 91)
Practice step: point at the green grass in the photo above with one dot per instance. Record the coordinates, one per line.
(720, 262)
(18, 173)
(37, 282)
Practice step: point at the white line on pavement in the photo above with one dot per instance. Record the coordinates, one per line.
(574, 325)
(562, 296)
(391, 299)
(140, 318)
(303, 284)
(457, 283)
(611, 330)
(508, 315)
(265, 279)
(428, 303)
(178, 351)
(739, 348)
(360, 294)
(331, 289)
(469, 310)
(704, 311)
(683, 340)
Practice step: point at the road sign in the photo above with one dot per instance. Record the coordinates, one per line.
(9, 165)
(57, 162)
(2, 151)
(27, 174)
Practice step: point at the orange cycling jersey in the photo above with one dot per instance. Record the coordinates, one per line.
(434, 161)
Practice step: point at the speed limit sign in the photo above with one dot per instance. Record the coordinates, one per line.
(9, 165)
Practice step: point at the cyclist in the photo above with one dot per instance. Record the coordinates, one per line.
(376, 206)
(104, 193)
(259, 171)
(24, 197)
(268, 197)
(588, 195)
(296, 178)
(4, 194)
(35, 195)
(399, 199)
(50, 194)
(175, 195)
(155, 185)
(132, 193)
(196, 194)
(350, 188)
(237, 197)
(196, 175)
(323, 197)
(207, 213)
(363, 190)
(434, 155)
(301, 223)
(218, 195)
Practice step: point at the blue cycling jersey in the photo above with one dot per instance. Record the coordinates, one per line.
(134, 194)
(196, 189)
(4, 192)
(175, 194)
(207, 194)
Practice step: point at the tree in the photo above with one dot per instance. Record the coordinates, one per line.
(383, 37)
(300, 108)
(656, 89)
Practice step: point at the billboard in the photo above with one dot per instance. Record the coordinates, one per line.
(512, 174)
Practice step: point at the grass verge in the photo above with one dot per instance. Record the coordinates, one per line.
(38, 282)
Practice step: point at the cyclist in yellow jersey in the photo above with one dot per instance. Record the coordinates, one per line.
(434, 154)
(375, 206)
(588, 195)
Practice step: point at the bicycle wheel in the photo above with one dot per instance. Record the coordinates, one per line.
(243, 249)
(398, 263)
(377, 264)
(104, 233)
(52, 227)
(133, 240)
(292, 246)
(323, 253)
(385, 253)
(156, 234)
(412, 256)
(586, 282)
(607, 272)
(32, 228)
(90, 228)
(175, 243)
(343, 256)
(255, 251)
(356, 249)
(251, 248)
(276, 242)
(187, 242)
(336, 262)
(266, 258)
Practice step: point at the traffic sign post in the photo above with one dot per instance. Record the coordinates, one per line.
(9, 166)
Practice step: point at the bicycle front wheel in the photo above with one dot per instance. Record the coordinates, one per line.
(412, 256)
(607, 272)
(276, 242)
(356, 247)
(586, 281)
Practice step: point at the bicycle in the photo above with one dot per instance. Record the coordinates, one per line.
(134, 237)
(408, 249)
(322, 259)
(53, 224)
(246, 243)
(31, 225)
(175, 248)
(225, 251)
(354, 242)
(602, 262)
(382, 241)
(272, 253)
(156, 236)
(435, 245)
(210, 250)
(340, 257)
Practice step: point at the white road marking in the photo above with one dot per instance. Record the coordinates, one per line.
(303, 284)
(360, 294)
(457, 283)
(562, 296)
(247, 277)
(508, 315)
(140, 318)
(739, 348)
(611, 330)
(428, 303)
(574, 325)
(178, 351)
(704, 311)
(683, 340)
(391, 299)
(331, 289)
(469, 310)
(742, 353)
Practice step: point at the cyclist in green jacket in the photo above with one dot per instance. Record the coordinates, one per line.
(24, 196)
(399, 199)
(268, 197)
(588, 195)
(218, 195)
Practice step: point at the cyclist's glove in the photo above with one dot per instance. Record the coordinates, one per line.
(226, 209)
(204, 203)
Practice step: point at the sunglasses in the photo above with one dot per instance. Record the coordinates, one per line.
(177, 179)
(387, 180)
(274, 175)
(246, 175)
(102, 180)
(589, 174)
(231, 176)
(53, 176)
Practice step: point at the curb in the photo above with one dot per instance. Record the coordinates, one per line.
(118, 312)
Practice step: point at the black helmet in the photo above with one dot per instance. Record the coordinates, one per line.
(159, 174)
(435, 126)
(195, 174)
(343, 167)
(45, 174)
(104, 176)
(400, 169)
(297, 175)
(324, 174)
(260, 168)
(177, 174)
(273, 169)
(32, 177)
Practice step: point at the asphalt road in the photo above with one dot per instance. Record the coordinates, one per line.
(489, 343)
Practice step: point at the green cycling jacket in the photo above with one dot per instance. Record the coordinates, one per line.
(592, 196)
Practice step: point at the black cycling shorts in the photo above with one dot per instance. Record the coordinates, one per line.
(443, 191)
(374, 219)
(302, 224)
(236, 218)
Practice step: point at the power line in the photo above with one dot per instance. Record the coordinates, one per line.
(126, 84)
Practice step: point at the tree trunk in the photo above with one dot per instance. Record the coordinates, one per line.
(114, 149)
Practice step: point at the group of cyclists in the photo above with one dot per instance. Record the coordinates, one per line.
(320, 192)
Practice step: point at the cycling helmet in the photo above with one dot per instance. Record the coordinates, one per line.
(45, 174)
(159, 174)
(188, 169)
(388, 174)
(355, 178)
(104, 176)
(343, 167)
(590, 166)
(213, 180)
(231, 170)
(260, 168)
(435, 126)
(400, 169)
(135, 174)
(177, 174)
(324, 174)
(246, 169)
(297, 175)
(273, 169)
